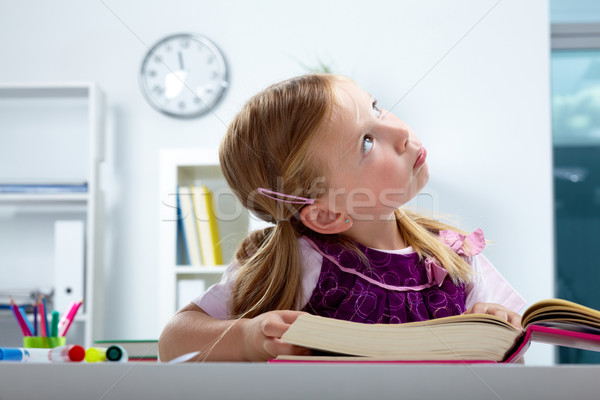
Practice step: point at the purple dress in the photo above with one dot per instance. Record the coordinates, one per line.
(393, 288)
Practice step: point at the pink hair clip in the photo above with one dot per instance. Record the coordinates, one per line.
(292, 199)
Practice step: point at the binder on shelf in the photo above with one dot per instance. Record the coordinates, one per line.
(207, 226)
(43, 187)
(185, 213)
(25, 296)
(69, 262)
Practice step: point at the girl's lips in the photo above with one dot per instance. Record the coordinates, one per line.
(421, 158)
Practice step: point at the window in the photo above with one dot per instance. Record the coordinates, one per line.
(575, 72)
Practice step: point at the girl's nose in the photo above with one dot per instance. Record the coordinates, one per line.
(402, 138)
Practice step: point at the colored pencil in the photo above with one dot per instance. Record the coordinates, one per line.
(45, 316)
(42, 312)
(35, 319)
(24, 315)
(19, 317)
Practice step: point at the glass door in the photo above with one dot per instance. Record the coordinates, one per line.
(575, 72)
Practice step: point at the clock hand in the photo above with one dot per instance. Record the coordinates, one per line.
(180, 61)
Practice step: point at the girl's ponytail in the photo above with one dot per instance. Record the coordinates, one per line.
(270, 274)
(268, 146)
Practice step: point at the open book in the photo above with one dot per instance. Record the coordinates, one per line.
(471, 337)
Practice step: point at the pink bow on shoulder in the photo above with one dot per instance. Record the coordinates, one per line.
(462, 245)
(435, 273)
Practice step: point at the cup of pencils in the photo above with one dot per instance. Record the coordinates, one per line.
(44, 342)
(43, 333)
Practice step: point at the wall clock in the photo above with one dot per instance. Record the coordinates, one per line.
(183, 75)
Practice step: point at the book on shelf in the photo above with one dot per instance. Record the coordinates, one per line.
(207, 226)
(187, 220)
(41, 187)
(455, 339)
(142, 350)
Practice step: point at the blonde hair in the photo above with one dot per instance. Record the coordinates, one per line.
(269, 144)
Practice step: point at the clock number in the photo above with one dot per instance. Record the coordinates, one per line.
(185, 43)
(159, 90)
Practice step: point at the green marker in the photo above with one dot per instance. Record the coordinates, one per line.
(54, 325)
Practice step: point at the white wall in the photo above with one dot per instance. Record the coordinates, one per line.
(471, 77)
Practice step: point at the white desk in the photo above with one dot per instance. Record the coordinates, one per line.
(295, 381)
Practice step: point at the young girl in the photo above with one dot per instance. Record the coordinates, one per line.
(316, 156)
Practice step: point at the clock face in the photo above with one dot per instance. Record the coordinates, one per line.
(183, 75)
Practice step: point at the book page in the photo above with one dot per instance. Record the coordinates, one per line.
(462, 337)
(561, 310)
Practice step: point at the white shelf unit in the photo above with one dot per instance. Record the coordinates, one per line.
(184, 167)
(51, 132)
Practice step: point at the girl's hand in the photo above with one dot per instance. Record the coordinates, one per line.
(262, 334)
(497, 310)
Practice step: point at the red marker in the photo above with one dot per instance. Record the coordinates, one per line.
(68, 353)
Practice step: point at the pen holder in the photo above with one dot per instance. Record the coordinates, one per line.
(44, 342)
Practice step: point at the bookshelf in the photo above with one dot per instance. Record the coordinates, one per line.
(51, 132)
(185, 167)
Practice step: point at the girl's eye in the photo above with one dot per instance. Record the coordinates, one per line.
(367, 144)
(376, 109)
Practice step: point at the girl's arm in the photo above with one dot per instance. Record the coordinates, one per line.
(244, 339)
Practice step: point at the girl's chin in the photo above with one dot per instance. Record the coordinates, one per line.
(424, 170)
(423, 175)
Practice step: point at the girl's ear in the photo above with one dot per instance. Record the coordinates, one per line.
(322, 220)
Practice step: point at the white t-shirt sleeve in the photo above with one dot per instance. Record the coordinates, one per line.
(216, 301)
(312, 261)
(489, 286)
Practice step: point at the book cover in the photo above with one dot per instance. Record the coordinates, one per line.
(207, 226)
(461, 338)
(185, 212)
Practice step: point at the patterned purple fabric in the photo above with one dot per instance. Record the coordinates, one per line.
(376, 293)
